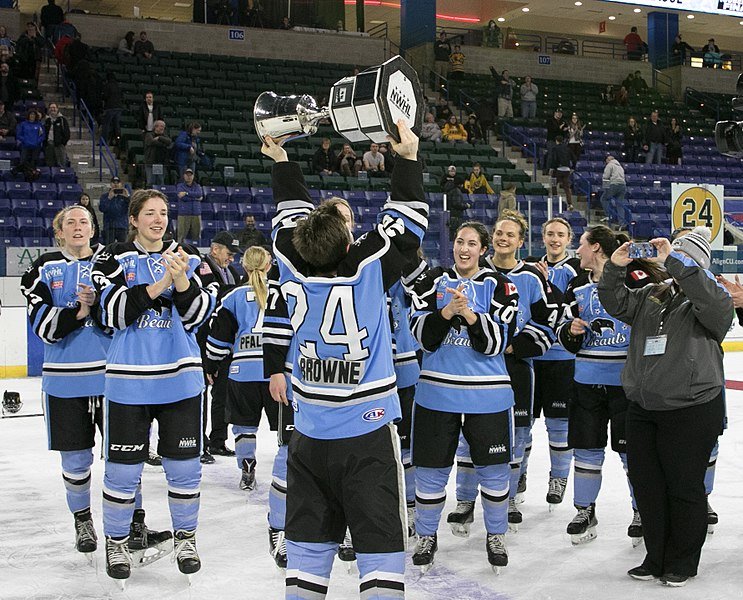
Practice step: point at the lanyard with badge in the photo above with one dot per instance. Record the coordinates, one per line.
(655, 345)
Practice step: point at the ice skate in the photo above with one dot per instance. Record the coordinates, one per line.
(277, 546)
(154, 460)
(634, 531)
(461, 518)
(411, 520)
(514, 516)
(556, 491)
(711, 519)
(86, 541)
(582, 528)
(247, 478)
(521, 489)
(497, 553)
(346, 553)
(425, 551)
(185, 553)
(142, 539)
(118, 560)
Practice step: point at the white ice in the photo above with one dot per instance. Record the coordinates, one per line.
(38, 560)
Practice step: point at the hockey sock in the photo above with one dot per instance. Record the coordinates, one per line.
(277, 493)
(466, 476)
(527, 453)
(494, 486)
(138, 495)
(76, 476)
(244, 443)
(623, 457)
(522, 435)
(560, 454)
(430, 496)
(308, 569)
(381, 576)
(709, 476)
(184, 478)
(587, 477)
(120, 483)
(406, 456)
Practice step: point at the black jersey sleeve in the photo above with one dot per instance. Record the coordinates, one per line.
(194, 304)
(427, 325)
(571, 343)
(277, 328)
(223, 328)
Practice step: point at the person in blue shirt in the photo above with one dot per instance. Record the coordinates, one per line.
(30, 135)
(190, 196)
(152, 298)
(64, 312)
(114, 205)
(188, 147)
(344, 464)
(464, 320)
(599, 342)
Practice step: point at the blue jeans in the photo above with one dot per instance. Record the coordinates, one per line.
(528, 109)
(153, 179)
(654, 153)
(616, 191)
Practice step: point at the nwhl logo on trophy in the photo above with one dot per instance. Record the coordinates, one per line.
(364, 107)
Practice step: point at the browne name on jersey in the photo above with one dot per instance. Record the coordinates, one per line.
(331, 371)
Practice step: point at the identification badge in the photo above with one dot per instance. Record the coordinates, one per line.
(655, 345)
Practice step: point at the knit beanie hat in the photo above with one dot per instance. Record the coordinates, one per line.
(696, 245)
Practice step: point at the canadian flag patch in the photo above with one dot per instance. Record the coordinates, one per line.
(205, 269)
(510, 288)
(639, 275)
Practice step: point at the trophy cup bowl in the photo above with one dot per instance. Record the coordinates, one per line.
(363, 107)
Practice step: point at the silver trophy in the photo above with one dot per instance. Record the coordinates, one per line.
(363, 107)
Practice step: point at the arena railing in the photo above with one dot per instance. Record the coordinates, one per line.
(516, 137)
(702, 101)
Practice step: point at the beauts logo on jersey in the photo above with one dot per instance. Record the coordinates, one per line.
(331, 371)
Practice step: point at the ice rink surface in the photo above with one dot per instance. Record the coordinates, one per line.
(38, 560)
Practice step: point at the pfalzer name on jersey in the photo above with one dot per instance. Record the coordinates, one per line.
(331, 371)
(250, 342)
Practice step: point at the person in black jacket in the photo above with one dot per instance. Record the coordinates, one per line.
(323, 162)
(85, 202)
(654, 137)
(148, 113)
(51, 15)
(112, 105)
(556, 125)
(57, 135)
(632, 141)
(558, 164)
(218, 275)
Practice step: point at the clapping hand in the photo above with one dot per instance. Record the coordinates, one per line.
(176, 265)
(578, 327)
(86, 299)
(735, 289)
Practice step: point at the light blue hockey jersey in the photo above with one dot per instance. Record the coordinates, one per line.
(74, 350)
(404, 346)
(154, 357)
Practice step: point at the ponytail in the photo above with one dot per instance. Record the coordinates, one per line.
(255, 260)
(607, 239)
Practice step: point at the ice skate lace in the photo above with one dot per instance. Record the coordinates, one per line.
(583, 516)
(512, 505)
(464, 506)
(117, 553)
(86, 532)
(636, 520)
(496, 544)
(557, 485)
(347, 543)
(425, 544)
(185, 548)
(279, 543)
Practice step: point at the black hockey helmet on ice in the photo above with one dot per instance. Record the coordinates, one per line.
(11, 402)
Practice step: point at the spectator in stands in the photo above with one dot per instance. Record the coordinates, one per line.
(558, 164)
(190, 196)
(28, 51)
(250, 236)
(575, 139)
(474, 131)
(608, 96)
(632, 141)
(454, 131)
(674, 135)
(7, 122)
(491, 35)
(5, 40)
(8, 86)
(30, 136)
(441, 53)
(373, 161)
(443, 111)
(556, 125)
(285, 24)
(324, 160)
(126, 44)
(654, 140)
(112, 108)
(529, 92)
(712, 56)
(348, 164)
(452, 184)
(188, 147)
(505, 95)
(144, 47)
(679, 50)
(157, 147)
(430, 131)
(634, 45)
(456, 64)
(614, 184)
(477, 183)
(149, 112)
(507, 199)
(114, 205)
(76, 51)
(51, 15)
(389, 158)
(451, 180)
(639, 85)
(622, 96)
(628, 82)
(85, 202)
(57, 135)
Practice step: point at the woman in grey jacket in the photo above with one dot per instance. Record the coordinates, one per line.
(674, 380)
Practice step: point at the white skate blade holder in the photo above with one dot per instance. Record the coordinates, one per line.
(583, 538)
(141, 558)
(636, 542)
(513, 527)
(460, 529)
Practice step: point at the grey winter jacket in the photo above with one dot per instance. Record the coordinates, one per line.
(695, 314)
